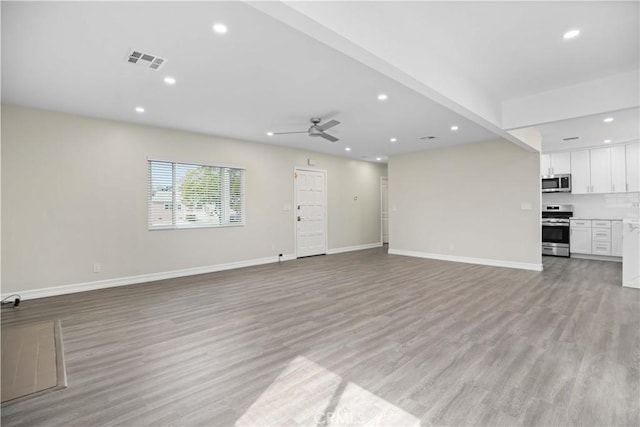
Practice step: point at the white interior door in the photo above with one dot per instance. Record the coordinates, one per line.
(384, 209)
(311, 221)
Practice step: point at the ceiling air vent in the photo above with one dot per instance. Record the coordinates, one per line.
(425, 138)
(145, 59)
(570, 138)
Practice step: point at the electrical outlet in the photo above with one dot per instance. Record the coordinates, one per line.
(97, 267)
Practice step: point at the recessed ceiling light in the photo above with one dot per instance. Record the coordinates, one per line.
(269, 133)
(169, 80)
(571, 34)
(220, 28)
(382, 97)
(454, 128)
(347, 148)
(608, 120)
(140, 109)
(378, 158)
(607, 141)
(393, 139)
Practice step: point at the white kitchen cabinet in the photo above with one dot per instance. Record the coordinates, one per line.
(616, 238)
(561, 163)
(555, 163)
(596, 237)
(633, 166)
(545, 164)
(618, 169)
(580, 240)
(580, 172)
(600, 162)
(613, 169)
(601, 237)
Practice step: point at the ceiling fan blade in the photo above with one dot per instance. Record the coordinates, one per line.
(329, 124)
(329, 137)
(284, 133)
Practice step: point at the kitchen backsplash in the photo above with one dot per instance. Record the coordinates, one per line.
(604, 206)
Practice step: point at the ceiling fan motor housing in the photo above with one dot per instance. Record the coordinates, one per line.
(314, 131)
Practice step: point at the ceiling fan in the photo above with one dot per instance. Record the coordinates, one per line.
(317, 129)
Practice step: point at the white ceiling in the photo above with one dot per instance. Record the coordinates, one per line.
(512, 49)
(592, 130)
(264, 75)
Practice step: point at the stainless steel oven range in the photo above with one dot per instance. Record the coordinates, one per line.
(556, 229)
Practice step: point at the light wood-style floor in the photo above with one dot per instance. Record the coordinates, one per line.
(355, 338)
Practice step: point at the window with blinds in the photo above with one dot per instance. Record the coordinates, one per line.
(185, 195)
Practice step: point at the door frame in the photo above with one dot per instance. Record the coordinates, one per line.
(382, 180)
(295, 208)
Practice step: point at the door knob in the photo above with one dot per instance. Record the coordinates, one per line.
(299, 218)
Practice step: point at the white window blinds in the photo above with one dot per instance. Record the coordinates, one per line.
(185, 195)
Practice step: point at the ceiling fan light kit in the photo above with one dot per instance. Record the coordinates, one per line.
(317, 129)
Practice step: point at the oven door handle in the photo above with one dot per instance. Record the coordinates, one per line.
(547, 224)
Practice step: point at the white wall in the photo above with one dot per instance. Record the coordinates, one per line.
(464, 203)
(74, 192)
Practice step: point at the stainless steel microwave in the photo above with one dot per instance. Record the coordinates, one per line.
(556, 183)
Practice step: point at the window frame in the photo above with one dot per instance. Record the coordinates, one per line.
(225, 185)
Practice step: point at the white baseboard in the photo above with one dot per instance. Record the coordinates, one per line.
(468, 260)
(132, 280)
(353, 248)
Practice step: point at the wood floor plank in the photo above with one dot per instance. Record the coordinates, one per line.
(365, 336)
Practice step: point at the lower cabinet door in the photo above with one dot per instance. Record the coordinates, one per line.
(580, 240)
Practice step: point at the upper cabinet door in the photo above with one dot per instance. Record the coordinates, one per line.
(601, 170)
(555, 163)
(618, 169)
(633, 166)
(580, 172)
(545, 164)
(561, 163)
